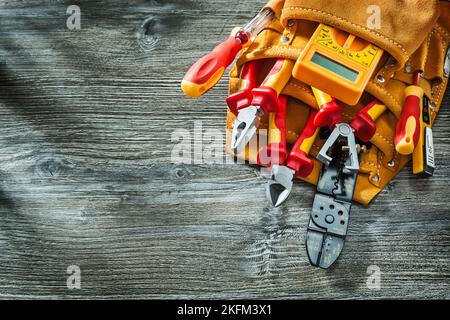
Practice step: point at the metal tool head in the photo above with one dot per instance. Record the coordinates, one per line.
(327, 230)
(244, 127)
(280, 186)
(343, 131)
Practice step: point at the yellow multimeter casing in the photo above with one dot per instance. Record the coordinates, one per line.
(337, 63)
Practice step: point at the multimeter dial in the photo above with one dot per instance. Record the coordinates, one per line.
(347, 45)
(338, 63)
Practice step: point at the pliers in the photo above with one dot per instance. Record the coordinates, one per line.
(264, 99)
(297, 163)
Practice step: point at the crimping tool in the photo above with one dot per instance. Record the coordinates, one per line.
(330, 214)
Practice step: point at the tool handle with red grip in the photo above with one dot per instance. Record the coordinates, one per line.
(364, 121)
(298, 159)
(276, 151)
(266, 96)
(249, 77)
(330, 112)
(408, 126)
(207, 71)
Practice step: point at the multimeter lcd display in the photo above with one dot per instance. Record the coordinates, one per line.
(334, 67)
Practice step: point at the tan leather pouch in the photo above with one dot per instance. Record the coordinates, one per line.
(415, 35)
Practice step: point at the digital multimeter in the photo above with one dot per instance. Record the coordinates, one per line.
(337, 63)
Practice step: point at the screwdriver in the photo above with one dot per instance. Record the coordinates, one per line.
(207, 71)
(407, 133)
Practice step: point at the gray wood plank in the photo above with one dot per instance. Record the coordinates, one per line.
(86, 177)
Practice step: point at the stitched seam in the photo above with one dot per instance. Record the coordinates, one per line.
(442, 31)
(353, 24)
(428, 48)
(276, 47)
(293, 133)
(384, 138)
(395, 157)
(383, 71)
(380, 155)
(388, 94)
(371, 164)
(441, 87)
(304, 88)
(347, 115)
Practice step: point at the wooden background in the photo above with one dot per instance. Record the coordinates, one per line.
(86, 178)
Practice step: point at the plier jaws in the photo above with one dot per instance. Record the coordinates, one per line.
(342, 131)
(244, 127)
(280, 186)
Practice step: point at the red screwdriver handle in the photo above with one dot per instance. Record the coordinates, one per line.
(207, 71)
(408, 127)
(298, 159)
(249, 77)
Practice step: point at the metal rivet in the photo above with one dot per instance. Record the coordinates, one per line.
(329, 219)
(408, 69)
(432, 105)
(391, 164)
(285, 39)
(391, 63)
(290, 23)
(376, 178)
(447, 64)
(381, 79)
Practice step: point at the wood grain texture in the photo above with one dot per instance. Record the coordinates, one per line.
(86, 177)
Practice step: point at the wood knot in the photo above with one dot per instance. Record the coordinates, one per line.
(148, 34)
(181, 172)
(51, 167)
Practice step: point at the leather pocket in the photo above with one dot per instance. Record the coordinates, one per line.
(402, 27)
